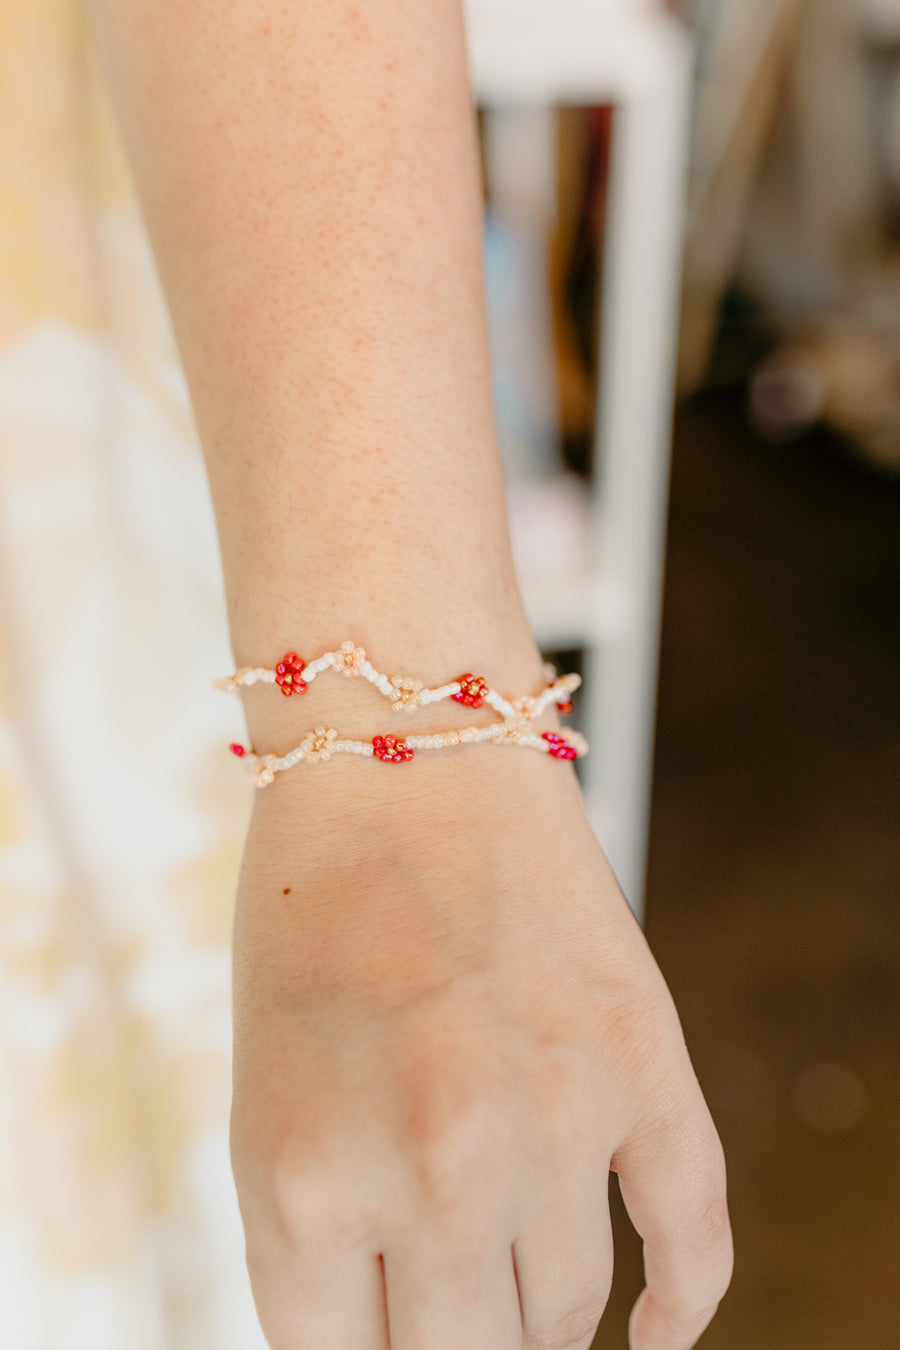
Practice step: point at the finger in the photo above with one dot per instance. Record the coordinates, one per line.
(673, 1183)
(318, 1292)
(564, 1258)
(446, 1291)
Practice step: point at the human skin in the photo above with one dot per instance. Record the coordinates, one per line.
(448, 1026)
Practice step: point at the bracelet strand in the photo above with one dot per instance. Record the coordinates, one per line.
(293, 675)
(318, 746)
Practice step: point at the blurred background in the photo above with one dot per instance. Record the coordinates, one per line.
(773, 889)
(692, 219)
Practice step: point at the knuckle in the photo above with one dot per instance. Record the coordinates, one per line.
(716, 1230)
(297, 1194)
(710, 1191)
(452, 1160)
(453, 1132)
(689, 1318)
(709, 1219)
(571, 1331)
(304, 1197)
(713, 1223)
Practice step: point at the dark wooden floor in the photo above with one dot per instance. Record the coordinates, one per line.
(774, 890)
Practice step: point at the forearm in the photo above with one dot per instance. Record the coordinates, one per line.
(309, 177)
(448, 1027)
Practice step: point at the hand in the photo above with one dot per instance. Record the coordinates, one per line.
(448, 1028)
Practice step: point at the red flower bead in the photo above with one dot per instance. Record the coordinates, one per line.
(566, 706)
(559, 747)
(392, 749)
(237, 750)
(288, 674)
(472, 690)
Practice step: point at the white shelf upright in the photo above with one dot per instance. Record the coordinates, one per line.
(628, 55)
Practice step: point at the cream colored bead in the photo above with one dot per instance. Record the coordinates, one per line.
(265, 770)
(514, 728)
(406, 691)
(350, 659)
(525, 705)
(318, 745)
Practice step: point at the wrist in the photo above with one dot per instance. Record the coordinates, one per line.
(352, 815)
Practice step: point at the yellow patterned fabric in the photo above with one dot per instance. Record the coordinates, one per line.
(121, 815)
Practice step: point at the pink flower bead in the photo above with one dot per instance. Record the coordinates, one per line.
(558, 746)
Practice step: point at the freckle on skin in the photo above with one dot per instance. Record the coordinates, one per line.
(286, 891)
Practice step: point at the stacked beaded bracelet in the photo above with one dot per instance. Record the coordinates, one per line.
(293, 676)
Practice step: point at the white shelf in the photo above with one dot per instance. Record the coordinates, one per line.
(590, 53)
(590, 562)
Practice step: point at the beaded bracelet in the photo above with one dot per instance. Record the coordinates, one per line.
(293, 676)
(320, 744)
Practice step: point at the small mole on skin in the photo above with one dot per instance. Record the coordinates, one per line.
(286, 891)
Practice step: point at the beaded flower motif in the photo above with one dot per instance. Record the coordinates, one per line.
(514, 727)
(264, 772)
(317, 745)
(407, 692)
(289, 675)
(349, 660)
(392, 749)
(525, 705)
(472, 689)
(560, 748)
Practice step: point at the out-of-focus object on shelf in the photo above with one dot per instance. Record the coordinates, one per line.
(795, 196)
(842, 371)
(601, 552)
(743, 51)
